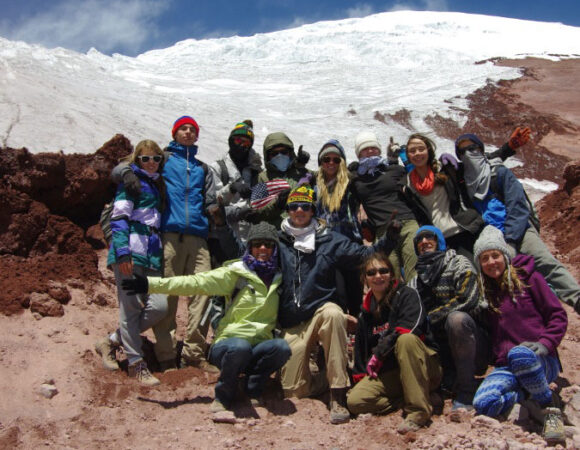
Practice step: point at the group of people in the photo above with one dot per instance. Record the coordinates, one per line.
(428, 264)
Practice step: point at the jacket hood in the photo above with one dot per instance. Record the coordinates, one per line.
(525, 262)
(276, 139)
(335, 144)
(441, 245)
(174, 147)
(472, 137)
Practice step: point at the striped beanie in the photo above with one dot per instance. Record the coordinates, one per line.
(183, 120)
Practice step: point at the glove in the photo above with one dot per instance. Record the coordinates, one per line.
(537, 347)
(137, 285)
(519, 137)
(393, 150)
(132, 183)
(374, 366)
(394, 228)
(241, 188)
(303, 156)
(449, 159)
(306, 179)
(282, 199)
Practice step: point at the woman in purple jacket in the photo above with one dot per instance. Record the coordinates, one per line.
(526, 358)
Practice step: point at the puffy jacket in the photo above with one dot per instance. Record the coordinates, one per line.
(309, 279)
(343, 221)
(190, 191)
(252, 313)
(538, 313)
(135, 224)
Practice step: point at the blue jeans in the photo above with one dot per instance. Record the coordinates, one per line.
(234, 356)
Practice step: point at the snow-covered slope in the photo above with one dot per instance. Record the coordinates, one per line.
(313, 82)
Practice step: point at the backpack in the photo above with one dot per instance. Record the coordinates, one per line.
(493, 185)
(105, 220)
(224, 175)
(219, 304)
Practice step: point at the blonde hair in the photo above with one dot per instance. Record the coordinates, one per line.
(510, 283)
(332, 199)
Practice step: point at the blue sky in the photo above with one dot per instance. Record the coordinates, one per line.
(131, 27)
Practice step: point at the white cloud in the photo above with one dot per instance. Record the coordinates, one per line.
(107, 25)
(422, 5)
(360, 10)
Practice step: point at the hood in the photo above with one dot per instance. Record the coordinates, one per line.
(332, 143)
(276, 139)
(525, 262)
(441, 245)
(473, 138)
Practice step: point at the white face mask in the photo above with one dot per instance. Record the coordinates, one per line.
(281, 162)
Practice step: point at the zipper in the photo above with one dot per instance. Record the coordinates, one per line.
(187, 188)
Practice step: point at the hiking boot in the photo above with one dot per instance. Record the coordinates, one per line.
(553, 431)
(108, 353)
(407, 426)
(167, 366)
(140, 371)
(338, 411)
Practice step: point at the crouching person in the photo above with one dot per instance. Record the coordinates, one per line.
(525, 355)
(396, 361)
(244, 341)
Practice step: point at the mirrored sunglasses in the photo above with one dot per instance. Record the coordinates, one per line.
(241, 141)
(303, 206)
(145, 158)
(380, 270)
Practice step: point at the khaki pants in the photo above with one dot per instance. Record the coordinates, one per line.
(404, 253)
(184, 255)
(327, 326)
(407, 386)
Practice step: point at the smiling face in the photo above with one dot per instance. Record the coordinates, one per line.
(262, 249)
(492, 263)
(417, 152)
(378, 277)
(330, 164)
(300, 214)
(427, 242)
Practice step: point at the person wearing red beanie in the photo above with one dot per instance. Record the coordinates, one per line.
(184, 120)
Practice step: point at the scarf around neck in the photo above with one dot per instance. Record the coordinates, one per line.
(264, 269)
(369, 165)
(430, 266)
(304, 238)
(423, 186)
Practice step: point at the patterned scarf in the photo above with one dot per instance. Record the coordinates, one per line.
(264, 269)
(426, 185)
(430, 266)
(369, 165)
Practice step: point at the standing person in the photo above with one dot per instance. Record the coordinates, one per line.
(338, 207)
(244, 341)
(235, 174)
(447, 285)
(190, 196)
(394, 348)
(437, 195)
(378, 185)
(281, 162)
(310, 254)
(525, 356)
(136, 249)
(501, 200)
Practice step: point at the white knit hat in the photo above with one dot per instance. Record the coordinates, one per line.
(491, 238)
(365, 139)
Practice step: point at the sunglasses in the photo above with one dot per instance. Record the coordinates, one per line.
(470, 148)
(303, 206)
(267, 244)
(241, 141)
(380, 270)
(328, 159)
(145, 158)
(282, 151)
(426, 235)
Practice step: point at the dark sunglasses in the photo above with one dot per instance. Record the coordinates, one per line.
(469, 148)
(380, 270)
(426, 235)
(267, 244)
(241, 141)
(145, 158)
(303, 206)
(282, 151)
(328, 159)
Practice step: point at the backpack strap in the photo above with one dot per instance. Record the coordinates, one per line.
(224, 175)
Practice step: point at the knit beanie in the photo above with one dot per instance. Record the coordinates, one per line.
(365, 139)
(182, 121)
(263, 230)
(302, 194)
(331, 146)
(491, 238)
(472, 137)
(245, 129)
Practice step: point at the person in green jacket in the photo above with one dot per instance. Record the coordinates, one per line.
(244, 340)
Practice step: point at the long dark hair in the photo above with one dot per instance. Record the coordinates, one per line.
(440, 178)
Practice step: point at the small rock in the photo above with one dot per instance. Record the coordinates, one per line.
(48, 390)
(100, 300)
(486, 421)
(224, 417)
(45, 305)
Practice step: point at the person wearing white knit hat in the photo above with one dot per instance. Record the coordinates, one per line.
(366, 144)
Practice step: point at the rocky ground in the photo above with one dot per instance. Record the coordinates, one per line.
(57, 299)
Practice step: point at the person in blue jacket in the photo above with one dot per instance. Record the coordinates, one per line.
(501, 200)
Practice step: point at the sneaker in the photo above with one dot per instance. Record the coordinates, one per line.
(338, 411)
(407, 426)
(108, 353)
(140, 371)
(553, 431)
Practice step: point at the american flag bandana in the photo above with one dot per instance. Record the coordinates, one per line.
(265, 193)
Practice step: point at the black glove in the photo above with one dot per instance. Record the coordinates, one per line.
(282, 199)
(394, 228)
(537, 347)
(132, 183)
(303, 156)
(137, 285)
(241, 188)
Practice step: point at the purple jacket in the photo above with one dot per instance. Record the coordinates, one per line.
(537, 315)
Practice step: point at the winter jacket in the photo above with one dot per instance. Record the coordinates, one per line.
(344, 221)
(456, 289)
(377, 335)
(382, 193)
(536, 311)
(460, 207)
(309, 279)
(135, 225)
(190, 191)
(252, 313)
